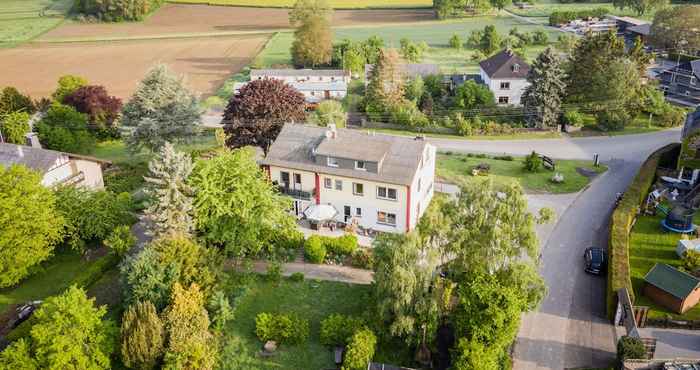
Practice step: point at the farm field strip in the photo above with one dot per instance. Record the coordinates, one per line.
(337, 4)
(22, 20)
(120, 65)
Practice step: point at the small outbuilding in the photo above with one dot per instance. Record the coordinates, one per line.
(672, 288)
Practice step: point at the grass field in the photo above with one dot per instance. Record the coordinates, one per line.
(311, 300)
(649, 244)
(544, 9)
(436, 34)
(337, 4)
(457, 168)
(52, 277)
(22, 20)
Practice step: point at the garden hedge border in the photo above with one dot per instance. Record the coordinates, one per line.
(621, 224)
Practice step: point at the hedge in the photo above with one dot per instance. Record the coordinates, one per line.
(563, 17)
(621, 225)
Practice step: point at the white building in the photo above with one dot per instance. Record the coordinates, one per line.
(57, 168)
(505, 74)
(316, 85)
(380, 182)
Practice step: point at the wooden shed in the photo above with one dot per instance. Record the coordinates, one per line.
(671, 288)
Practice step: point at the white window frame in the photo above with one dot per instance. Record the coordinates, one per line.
(386, 191)
(507, 85)
(338, 185)
(507, 100)
(358, 212)
(386, 218)
(361, 168)
(327, 183)
(332, 162)
(354, 188)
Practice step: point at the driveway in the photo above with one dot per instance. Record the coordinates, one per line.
(570, 329)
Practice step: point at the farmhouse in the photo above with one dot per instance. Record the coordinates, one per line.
(378, 182)
(409, 70)
(505, 74)
(671, 288)
(681, 84)
(57, 168)
(316, 85)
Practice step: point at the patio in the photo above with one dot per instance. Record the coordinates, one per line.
(304, 226)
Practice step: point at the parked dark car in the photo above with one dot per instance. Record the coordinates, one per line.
(596, 261)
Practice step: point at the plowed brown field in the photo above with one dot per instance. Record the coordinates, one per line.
(119, 66)
(179, 19)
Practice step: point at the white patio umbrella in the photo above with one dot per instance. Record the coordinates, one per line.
(320, 212)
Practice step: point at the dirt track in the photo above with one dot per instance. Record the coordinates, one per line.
(179, 19)
(119, 66)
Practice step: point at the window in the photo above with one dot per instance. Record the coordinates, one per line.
(386, 218)
(693, 81)
(516, 67)
(505, 85)
(327, 183)
(297, 179)
(386, 193)
(284, 177)
(338, 184)
(333, 162)
(358, 212)
(502, 100)
(360, 165)
(358, 189)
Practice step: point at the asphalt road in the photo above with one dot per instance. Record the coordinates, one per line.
(570, 329)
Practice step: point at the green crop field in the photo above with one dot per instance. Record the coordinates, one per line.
(436, 34)
(337, 4)
(22, 20)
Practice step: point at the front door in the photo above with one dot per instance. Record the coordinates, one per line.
(347, 213)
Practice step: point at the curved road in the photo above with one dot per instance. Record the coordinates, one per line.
(570, 329)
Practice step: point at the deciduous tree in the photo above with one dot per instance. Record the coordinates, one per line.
(490, 40)
(327, 112)
(65, 129)
(14, 127)
(30, 225)
(257, 113)
(313, 38)
(171, 206)
(161, 110)
(18, 356)
(11, 100)
(471, 95)
(67, 84)
(101, 108)
(236, 206)
(676, 28)
(641, 7)
(142, 336)
(543, 98)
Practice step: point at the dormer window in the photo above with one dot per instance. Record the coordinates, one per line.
(516, 67)
(360, 165)
(333, 162)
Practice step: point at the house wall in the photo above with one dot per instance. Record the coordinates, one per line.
(60, 171)
(306, 78)
(92, 171)
(691, 300)
(661, 297)
(313, 96)
(421, 195)
(514, 94)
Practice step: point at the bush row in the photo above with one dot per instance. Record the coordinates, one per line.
(621, 225)
(562, 17)
(117, 10)
(316, 247)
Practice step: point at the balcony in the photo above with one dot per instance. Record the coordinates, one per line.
(296, 193)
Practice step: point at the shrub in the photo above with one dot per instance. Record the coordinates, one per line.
(532, 162)
(344, 245)
(455, 42)
(274, 271)
(463, 126)
(14, 127)
(691, 260)
(11, 100)
(120, 240)
(65, 129)
(671, 117)
(297, 277)
(329, 112)
(314, 249)
(337, 329)
(573, 118)
(630, 348)
(360, 350)
(363, 258)
(508, 158)
(540, 37)
(613, 119)
(281, 328)
(67, 85)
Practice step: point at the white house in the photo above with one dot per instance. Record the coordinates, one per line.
(380, 182)
(316, 85)
(57, 168)
(505, 74)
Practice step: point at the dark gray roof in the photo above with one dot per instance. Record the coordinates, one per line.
(38, 159)
(346, 146)
(299, 72)
(295, 143)
(642, 29)
(692, 123)
(672, 281)
(502, 65)
(411, 69)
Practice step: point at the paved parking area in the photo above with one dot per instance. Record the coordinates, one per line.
(671, 343)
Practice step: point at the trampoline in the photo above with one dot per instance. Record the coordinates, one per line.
(679, 220)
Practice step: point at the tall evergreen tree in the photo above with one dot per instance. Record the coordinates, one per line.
(386, 87)
(162, 109)
(172, 196)
(142, 336)
(543, 98)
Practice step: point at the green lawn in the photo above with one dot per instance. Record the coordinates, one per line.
(312, 300)
(515, 136)
(649, 244)
(117, 151)
(436, 34)
(640, 125)
(23, 20)
(457, 168)
(51, 278)
(337, 4)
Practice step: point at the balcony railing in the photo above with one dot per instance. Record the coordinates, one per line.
(296, 193)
